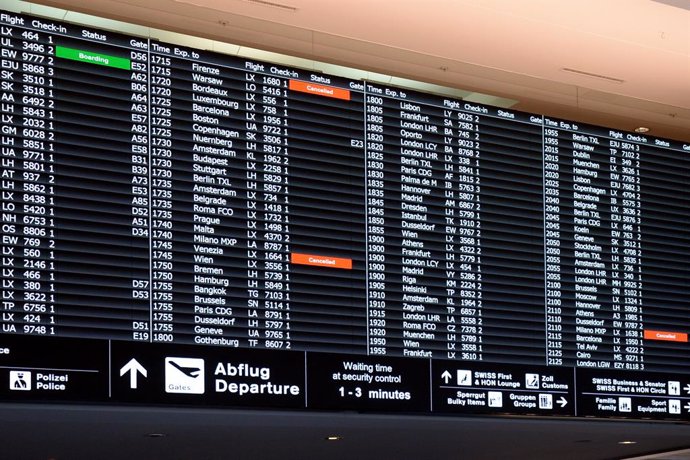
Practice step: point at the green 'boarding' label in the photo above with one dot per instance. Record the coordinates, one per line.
(92, 58)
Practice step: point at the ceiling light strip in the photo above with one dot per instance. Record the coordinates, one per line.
(593, 75)
(274, 5)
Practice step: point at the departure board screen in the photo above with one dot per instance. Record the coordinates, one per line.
(183, 222)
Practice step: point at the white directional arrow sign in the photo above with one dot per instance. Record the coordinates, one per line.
(687, 407)
(446, 376)
(562, 402)
(134, 368)
(687, 388)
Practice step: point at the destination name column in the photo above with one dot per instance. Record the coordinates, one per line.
(197, 200)
(585, 308)
(410, 149)
(423, 217)
(218, 212)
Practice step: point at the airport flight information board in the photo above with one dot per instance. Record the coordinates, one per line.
(266, 235)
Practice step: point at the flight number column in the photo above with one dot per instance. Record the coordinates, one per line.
(626, 255)
(28, 184)
(268, 210)
(463, 233)
(375, 222)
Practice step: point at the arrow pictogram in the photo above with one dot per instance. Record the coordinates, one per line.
(446, 376)
(134, 368)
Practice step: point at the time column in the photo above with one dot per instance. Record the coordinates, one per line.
(552, 245)
(375, 222)
(161, 206)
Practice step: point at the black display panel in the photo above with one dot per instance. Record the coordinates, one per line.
(183, 213)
